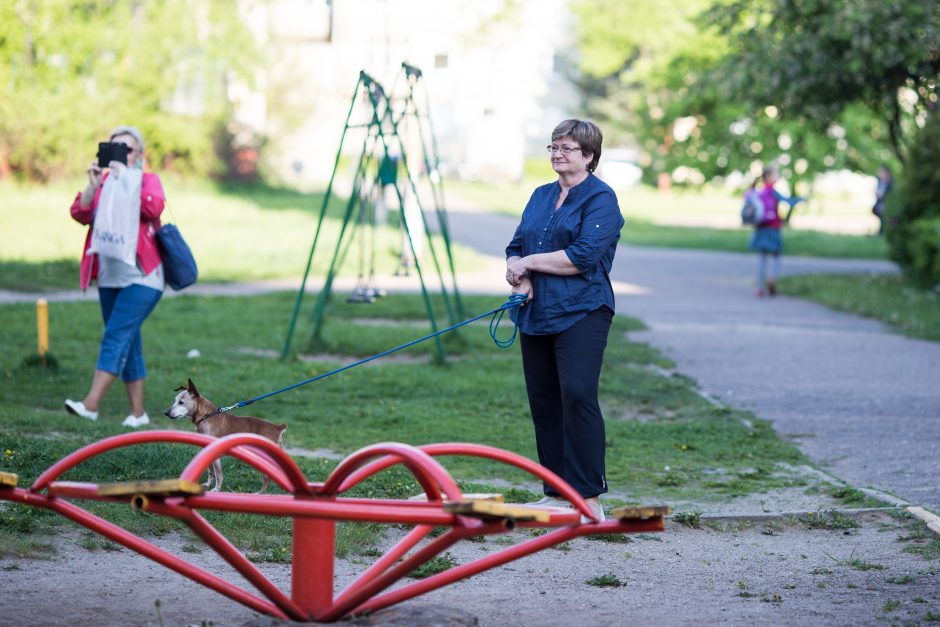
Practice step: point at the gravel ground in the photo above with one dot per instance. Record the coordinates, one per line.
(775, 571)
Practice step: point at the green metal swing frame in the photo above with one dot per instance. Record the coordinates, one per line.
(381, 134)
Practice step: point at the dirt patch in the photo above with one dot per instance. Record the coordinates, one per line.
(769, 572)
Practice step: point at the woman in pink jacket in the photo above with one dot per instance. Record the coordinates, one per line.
(122, 208)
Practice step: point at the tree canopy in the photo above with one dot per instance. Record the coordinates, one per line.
(714, 86)
(71, 70)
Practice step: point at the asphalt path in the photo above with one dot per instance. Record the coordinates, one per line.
(860, 400)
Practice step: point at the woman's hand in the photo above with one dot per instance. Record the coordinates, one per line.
(516, 271)
(524, 287)
(95, 175)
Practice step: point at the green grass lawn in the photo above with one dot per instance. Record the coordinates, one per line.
(236, 234)
(665, 442)
(653, 219)
(260, 232)
(909, 309)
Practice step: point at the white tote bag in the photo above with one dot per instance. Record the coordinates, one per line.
(117, 217)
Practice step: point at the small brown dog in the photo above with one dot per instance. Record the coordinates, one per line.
(189, 403)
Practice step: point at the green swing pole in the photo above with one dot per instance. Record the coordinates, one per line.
(414, 190)
(323, 208)
(324, 295)
(433, 165)
(401, 207)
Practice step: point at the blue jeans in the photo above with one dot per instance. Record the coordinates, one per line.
(124, 311)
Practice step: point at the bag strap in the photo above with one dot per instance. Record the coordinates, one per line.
(167, 207)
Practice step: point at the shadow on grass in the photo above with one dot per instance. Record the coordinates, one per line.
(25, 276)
(277, 198)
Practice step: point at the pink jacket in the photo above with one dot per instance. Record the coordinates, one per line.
(152, 202)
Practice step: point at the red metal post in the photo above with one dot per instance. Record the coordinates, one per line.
(312, 565)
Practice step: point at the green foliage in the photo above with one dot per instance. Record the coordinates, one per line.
(816, 58)
(433, 566)
(707, 88)
(609, 580)
(615, 64)
(914, 209)
(924, 245)
(72, 70)
(689, 519)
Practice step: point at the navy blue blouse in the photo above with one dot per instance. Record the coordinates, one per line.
(587, 227)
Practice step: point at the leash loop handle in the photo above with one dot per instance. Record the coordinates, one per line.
(515, 300)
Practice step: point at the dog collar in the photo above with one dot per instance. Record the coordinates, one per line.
(207, 416)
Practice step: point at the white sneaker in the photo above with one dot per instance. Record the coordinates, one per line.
(598, 511)
(554, 501)
(136, 421)
(78, 408)
(549, 501)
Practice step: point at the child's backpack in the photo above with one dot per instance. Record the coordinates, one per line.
(753, 210)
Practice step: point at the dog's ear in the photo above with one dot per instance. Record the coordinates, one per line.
(180, 388)
(191, 387)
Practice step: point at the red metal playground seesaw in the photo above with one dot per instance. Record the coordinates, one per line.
(315, 508)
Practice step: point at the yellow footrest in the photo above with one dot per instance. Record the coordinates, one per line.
(8, 479)
(162, 487)
(644, 512)
(492, 509)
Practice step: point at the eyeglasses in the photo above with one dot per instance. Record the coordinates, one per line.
(565, 150)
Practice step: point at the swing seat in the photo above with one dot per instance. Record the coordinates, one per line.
(494, 510)
(646, 512)
(161, 487)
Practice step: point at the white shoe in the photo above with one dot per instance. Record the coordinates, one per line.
(549, 501)
(598, 511)
(554, 501)
(78, 408)
(136, 421)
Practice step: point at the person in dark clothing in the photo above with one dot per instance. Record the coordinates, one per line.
(560, 257)
(885, 183)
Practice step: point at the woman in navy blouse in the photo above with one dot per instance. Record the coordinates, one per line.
(560, 257)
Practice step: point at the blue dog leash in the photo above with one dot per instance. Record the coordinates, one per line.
(514, 301)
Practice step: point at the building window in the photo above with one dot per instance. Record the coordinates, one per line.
(440, 60)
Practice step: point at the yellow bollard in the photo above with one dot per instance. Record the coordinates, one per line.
(42, 326)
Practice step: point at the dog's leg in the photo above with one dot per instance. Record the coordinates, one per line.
(215, 473)
(264, 483)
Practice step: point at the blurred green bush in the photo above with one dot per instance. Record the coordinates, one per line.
(913, 209)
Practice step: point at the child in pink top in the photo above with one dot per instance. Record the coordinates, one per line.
(766, 240)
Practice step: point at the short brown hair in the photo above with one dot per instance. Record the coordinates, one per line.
(586, 133)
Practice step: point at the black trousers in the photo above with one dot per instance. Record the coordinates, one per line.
(561, 375)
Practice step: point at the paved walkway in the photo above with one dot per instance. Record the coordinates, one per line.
(860, 400)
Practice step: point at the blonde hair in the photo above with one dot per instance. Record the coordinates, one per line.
(133, 131)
